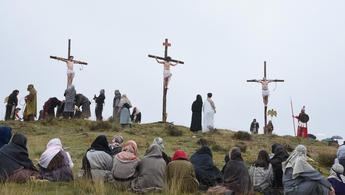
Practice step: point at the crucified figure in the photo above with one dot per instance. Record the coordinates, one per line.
(70, 71)
(166, 71)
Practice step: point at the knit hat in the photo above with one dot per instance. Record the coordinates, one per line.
(180, 155)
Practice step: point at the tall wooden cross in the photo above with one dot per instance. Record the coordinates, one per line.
(265, 91)
(167, 59)
(69, 57)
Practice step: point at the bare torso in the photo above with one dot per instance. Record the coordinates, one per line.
(69, 65)
(264, 84)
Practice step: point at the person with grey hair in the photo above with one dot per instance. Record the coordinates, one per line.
(300, 178)
(99, 105)
(70, 94)
(159, 141)
(116, 105)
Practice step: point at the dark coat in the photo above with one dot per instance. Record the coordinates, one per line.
(236, 177)
(280, 155)
(5, 135)
(14, 156)
(206, 173)
(196, 115)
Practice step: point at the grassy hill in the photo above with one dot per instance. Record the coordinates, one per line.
(77, 135)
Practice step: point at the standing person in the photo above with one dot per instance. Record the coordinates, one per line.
(303, 118)
(261, 173)
(125, 117)
(196, 116)
(30, 110)
(70, 93)
(99, 104)
(136, 115)
(300, 178)
(269, 128)
(254, 127)
(116, 107)
(11, 105)
(124, 99)
(209, 111)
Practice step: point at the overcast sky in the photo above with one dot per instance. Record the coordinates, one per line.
(222, 42)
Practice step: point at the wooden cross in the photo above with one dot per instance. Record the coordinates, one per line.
(70, 61)
(166, 58)
(265, 81)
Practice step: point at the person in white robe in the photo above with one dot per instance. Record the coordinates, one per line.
(209, 109)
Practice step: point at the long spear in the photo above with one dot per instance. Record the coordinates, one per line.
(293, 118)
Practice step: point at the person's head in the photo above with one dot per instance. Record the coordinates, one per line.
(101, 144)
(180, 155)
(209, 95)
(202, 142)
(130, 146)
(30, 86)
(168, 58)
(102, 91)
(254, 120)
(159, 141)
(117, 92)
(5, 135)
(124, 96)
(70, 57)
(16, 91)
(20, 140)
(235, 154)
(337, 170)
(303, 109)
(55, 142)
(117, 140)
(263, 159)
(199, 98)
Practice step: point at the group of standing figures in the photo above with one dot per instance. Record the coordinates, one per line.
(208, 108)
(75, 105)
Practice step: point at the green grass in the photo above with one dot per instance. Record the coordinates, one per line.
(77, 135)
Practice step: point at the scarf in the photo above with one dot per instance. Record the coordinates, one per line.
(129, 152)
(298, 162)
(54, 146)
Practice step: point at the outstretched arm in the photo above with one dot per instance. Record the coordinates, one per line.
(79, 62)
(160, 62)
(58, 58)
(174, 64)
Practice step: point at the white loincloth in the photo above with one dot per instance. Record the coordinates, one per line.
(167, 73)
(265, 93)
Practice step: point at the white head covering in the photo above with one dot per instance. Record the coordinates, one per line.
(298, 162)
(54, 146)
(159, 141)
(336, 172)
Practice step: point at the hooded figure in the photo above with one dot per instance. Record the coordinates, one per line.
(125, 166)
(15, 164)
(99, 104)
(97, 162)
(206, 172)
(30, 110)
(83, 102)
(159, 141)
(116, 144)
(116, 105)
(181, 174)
(300, 178)
(236, 176)
(70, 94)
(55, 164)
(337, 179)
(151, 171)
(125, 117)
(11, 105)
(196, 114)
(5, 135)
(279, 156)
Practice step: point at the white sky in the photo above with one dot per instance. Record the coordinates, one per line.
(223, 43)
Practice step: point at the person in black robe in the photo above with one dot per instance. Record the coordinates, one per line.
(196, 116)
(15, 165)
(60, 109)
(206, 172)
(99, 105)
(11, 105)
(280, 155)
(49, 107)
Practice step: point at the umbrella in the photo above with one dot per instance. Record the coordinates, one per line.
(337, 137)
